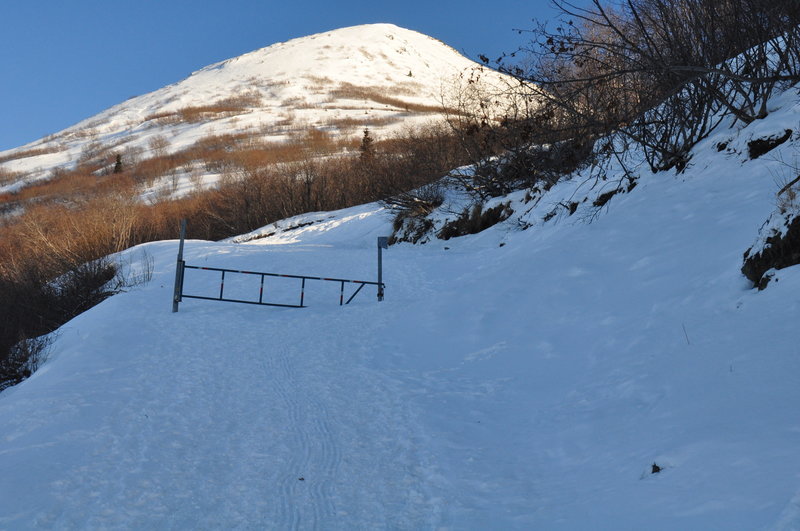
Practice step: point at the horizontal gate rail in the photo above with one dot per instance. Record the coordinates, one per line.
(184, 296)
(281, 275)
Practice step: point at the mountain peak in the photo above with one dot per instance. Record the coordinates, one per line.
(349, 54)
(379, 76)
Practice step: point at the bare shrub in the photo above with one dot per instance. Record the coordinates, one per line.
(789, 197)
(22, 360)
(416, 203)
(34, 304)
(132, 269)
(663, 73)
(7, 176)
(668, 132)
(503, 129)
(314, 141)
(66, 186)
(474, 220)
(90, 153)
(350, 124)
(132, 155)
(379, 95)
(158, 146)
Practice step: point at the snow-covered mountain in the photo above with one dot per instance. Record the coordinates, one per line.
(379, 76)
(603, 367)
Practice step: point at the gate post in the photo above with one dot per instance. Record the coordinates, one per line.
(383, 243)
(176, 296)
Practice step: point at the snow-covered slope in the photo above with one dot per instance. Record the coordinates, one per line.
(514, 379)
(377, 75)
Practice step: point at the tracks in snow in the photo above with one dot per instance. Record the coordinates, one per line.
(306, 482)
(203, 435)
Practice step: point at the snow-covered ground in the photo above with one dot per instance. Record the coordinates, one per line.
(514, 379)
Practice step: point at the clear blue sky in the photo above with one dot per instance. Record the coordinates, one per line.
(64, 60)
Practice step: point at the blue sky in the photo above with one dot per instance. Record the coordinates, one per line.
(64, 60)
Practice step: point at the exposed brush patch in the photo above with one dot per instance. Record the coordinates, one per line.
(604, 198)
(780, 249)
(474, 220)
(22, 360)
(760, 146)
(226, 108)
(411, 230)
(349, 123)
(379, 95)
(7, 176)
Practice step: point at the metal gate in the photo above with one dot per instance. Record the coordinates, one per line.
(182, 266)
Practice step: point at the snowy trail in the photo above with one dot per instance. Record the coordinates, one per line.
(285, 429)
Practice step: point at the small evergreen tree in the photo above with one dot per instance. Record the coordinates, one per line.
(118, 164)
(367, 148)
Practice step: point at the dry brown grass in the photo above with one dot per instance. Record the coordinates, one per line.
(379, 95)
(7, 176)
(226, 108)
(91, 176)
(66, 186)
(297, 102)
(350, 123)
(216, 153)
(321, 81)
(30, 153)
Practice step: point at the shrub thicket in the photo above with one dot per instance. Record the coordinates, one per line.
(662, 73)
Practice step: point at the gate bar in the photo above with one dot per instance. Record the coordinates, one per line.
(205, 268)
(221, 297)
(176, 296)
(241, 301)
(181, 266)
(354, 294)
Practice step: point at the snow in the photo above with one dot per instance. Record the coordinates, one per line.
(513, 379)
(292, 86)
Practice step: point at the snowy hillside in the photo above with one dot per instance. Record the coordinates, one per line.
(513, 379)
(379, 76)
